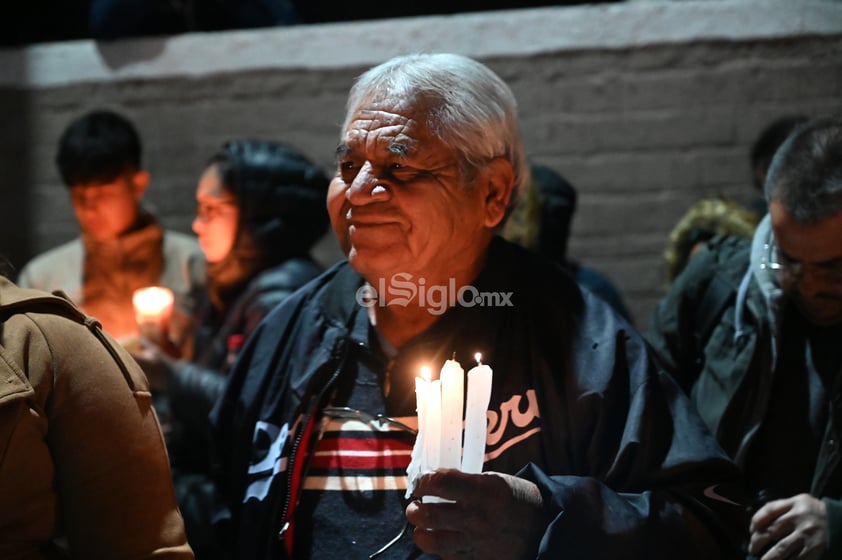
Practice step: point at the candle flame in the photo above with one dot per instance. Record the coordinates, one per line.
(478, 358)
(154, 300)
(426, 373)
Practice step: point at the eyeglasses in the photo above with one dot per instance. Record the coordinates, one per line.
(209, 211)
(380, 421)
(791, 270)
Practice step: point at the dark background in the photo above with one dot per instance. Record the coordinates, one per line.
(40, 21)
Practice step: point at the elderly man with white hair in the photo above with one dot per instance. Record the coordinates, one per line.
(590, 450)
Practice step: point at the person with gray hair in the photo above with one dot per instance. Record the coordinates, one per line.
(765, 370)
(590, 451)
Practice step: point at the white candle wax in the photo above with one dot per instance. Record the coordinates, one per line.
(452, 396)
(479, 395)
(417, 459)
(432, 428)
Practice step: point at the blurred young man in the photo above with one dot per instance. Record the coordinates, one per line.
(121, 246)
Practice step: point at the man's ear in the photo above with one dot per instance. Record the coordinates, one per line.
(498, 180)
(140, 182)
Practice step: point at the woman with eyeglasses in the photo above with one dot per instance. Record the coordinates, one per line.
(260, 209)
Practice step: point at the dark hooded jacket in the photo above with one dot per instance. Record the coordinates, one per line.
(625, 466)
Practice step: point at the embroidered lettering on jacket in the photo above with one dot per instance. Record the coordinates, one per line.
(515, 422)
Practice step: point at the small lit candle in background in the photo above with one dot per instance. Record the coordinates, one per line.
(452, 400)
(153, 308)
(479, 395)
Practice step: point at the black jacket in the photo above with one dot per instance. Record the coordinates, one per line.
(198, 382)
(622, 461)
(196, 385)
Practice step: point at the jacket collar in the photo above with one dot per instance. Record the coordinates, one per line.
(767, 282)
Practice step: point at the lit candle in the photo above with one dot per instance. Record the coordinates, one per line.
(418, 462)
(479, 395)
(452, 394)
(432, 427)
(153, 308)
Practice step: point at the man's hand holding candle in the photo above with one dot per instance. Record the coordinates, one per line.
(492, 515)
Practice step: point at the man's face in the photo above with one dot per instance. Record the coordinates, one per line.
(398, 203)
(105, 211)
(811, 256)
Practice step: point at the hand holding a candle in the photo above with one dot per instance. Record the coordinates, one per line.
(493, 515)
(153, 307)
(155, 315)
(153, 310)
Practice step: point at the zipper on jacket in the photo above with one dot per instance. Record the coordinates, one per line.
(297, 443)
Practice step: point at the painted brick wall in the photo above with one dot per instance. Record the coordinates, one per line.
(643, 107)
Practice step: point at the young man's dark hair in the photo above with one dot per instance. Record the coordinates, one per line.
(121, 246)
(97, 148)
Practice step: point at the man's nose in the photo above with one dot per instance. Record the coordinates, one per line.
(367, 187)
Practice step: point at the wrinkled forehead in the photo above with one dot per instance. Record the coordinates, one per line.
(398, 125)
(410, 104)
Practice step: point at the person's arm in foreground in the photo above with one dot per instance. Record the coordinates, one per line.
(112, 471)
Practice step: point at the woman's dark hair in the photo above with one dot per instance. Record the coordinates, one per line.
(279, 191)
(281, 197)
